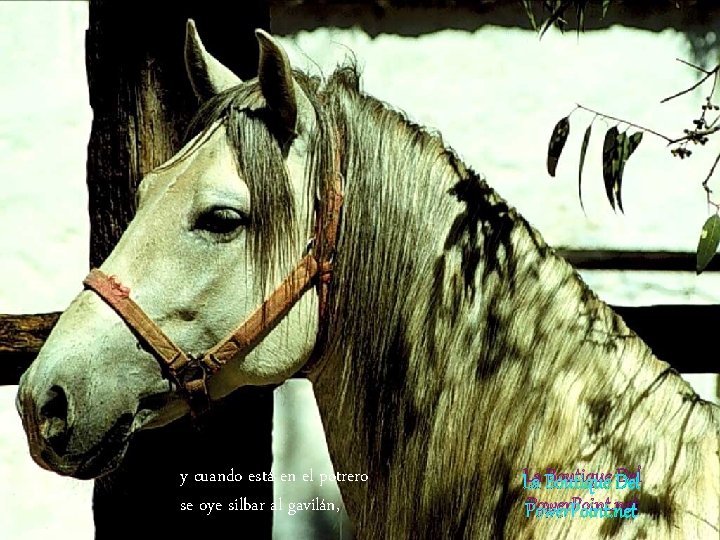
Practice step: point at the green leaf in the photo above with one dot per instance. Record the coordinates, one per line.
(609, 151)
(625, 146)
(622, 153)
(555, 16)
(635, 139)
(580, 6)
(708, 244)
(605, 6)
(557, 143)
(527, 4)
(583, 151)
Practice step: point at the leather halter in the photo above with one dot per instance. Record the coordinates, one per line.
(190, 374)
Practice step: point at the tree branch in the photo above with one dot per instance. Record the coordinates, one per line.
(708, 74)
(705, 183)
(695, 134)
(648, 130)
(694, 66)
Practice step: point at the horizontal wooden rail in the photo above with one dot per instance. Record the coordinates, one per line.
(21, 337)
(657, 261)
(667, 329)
(417, 17)
(671, 331)
(679, 334)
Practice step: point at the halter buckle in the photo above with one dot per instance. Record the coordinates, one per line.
(193, 382)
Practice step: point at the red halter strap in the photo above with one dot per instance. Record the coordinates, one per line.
(190, 374)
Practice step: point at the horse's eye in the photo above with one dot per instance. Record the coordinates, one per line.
(220, 220)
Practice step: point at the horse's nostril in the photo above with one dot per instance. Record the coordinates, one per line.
(53, 420)
(55, 405)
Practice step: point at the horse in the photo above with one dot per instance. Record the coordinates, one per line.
(462, 369)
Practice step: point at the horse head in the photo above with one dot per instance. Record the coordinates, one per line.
(216, 227)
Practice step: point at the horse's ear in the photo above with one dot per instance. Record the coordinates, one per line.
(207, 75)
(282, 93)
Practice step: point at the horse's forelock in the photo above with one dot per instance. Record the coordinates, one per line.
(260, 162)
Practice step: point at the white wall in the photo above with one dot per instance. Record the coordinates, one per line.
(44, 125)
(494, 94)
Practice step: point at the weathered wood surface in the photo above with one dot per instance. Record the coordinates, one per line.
(416, 17)
(670, 330)
(141, 99)
(21, 337)
(681, 335)
(648, 261)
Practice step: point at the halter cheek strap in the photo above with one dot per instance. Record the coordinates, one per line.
(190, 374)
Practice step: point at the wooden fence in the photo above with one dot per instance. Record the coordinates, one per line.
(667, 329)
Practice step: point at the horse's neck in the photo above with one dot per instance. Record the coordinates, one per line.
(518, 365)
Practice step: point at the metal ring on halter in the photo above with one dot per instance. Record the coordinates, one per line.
(193, 380)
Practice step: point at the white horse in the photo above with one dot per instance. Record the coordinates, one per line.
(452, 352)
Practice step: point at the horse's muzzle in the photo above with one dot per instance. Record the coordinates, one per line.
(45, 424)
(49, 431)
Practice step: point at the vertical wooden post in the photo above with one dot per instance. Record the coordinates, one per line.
(142, 102)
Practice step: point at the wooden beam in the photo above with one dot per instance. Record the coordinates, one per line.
(668, 329)
(677, 333)
(665, 328)
(21, 337)
(647, 261)
(418, 17)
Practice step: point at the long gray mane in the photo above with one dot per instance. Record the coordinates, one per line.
(461, 347)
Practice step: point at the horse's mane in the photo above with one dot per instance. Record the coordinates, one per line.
(448, 310)
(403, 184)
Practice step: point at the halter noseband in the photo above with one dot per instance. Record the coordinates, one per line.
(189, 373)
